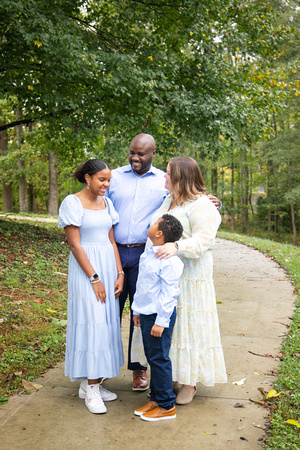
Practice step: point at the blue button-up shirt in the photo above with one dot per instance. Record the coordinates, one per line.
(135, 198)
(157, 286)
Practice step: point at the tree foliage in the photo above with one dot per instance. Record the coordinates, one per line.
(186, 66)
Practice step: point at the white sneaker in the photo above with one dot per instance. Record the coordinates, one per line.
(93, 400)
(82, 389)
(106, 395)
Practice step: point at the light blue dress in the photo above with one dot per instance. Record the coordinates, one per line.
(93, 344)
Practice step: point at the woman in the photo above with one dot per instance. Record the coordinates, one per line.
(93, 344)
(196, 350)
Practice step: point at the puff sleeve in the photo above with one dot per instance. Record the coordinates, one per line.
(70, 212)
(203, 223)
(111, 211)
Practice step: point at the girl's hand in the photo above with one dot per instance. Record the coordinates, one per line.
(119, 285)
(166, 250)
(99, 290)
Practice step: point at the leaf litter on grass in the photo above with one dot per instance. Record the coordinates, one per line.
(34, 301)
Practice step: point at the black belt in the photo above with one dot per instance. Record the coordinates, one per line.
(130, 245)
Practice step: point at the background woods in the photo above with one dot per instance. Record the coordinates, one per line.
(216, 80)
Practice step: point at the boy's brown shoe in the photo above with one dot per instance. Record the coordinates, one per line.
(159, 414)
(145, 408)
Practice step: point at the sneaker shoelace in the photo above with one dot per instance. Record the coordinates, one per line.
(97, 396)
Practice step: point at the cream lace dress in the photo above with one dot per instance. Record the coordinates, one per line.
(196, 350)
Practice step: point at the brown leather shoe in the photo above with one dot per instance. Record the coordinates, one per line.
(140, 380)
(145, 408)
(159, 414)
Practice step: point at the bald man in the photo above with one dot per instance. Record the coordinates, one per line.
(137, 190)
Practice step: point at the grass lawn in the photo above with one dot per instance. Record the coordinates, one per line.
(33, 313)
(33, 289)
(286, 407)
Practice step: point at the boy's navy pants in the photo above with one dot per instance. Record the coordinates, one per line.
(157, 354)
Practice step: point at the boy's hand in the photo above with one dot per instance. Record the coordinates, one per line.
(157, 331)
(136, 321)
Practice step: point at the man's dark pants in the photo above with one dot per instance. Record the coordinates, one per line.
(130, 257)
(157, 354)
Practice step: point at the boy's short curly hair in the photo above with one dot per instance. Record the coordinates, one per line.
(171, 228)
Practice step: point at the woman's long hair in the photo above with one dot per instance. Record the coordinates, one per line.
(186, 178)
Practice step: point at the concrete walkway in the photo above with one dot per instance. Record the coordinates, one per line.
(256, 303)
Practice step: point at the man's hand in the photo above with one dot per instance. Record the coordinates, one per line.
(214, 200)
(136, 321)
(157, 331)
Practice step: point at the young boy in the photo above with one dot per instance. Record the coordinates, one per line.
(154, 310)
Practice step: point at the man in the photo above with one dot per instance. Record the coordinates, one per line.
(137, 191)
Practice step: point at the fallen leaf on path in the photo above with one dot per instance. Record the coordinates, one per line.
(240, 383)
(258, 402)
(239, 405)
(262, 391)
(272, 393)
(266, 355)
(258, 426)
(27, 385)
(31, 386)
(271, 373)
(293, 422)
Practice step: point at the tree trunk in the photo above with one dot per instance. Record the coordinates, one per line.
(232, 194)
(53, 190)
(6, 187)
(246, 192)
(242, 198)
(31, 196)
(269, 172)
(200, 158)
(294, 227)
(214, 181)
(31, 199)
(21, 165)
(294, 224)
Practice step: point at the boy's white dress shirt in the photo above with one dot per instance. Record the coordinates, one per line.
(157, 286)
